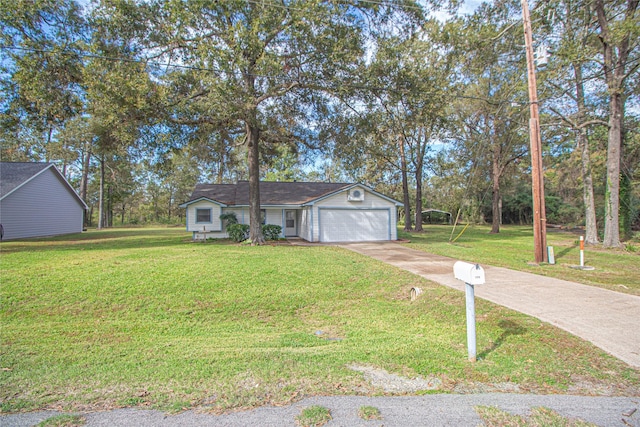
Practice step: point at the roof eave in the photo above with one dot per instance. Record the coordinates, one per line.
(349, 187)
(199, 199)
(57, 172)
(31, 178)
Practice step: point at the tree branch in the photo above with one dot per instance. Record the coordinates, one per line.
(577, 126)
(283, 89)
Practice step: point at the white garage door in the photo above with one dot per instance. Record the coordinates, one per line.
(353, 225)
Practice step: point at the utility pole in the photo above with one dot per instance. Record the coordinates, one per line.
(539, 215)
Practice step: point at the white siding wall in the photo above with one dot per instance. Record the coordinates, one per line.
(274, 216)
(222, 234)
(305, 223)
(42, 207)
(241, 214)
(214, 225)
(217, 229)
(340, 201)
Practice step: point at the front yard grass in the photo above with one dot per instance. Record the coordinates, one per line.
(615, 269)
(145, 317)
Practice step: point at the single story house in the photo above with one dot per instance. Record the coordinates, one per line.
(313, 211)
(36, 201)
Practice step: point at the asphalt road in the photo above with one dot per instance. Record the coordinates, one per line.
(431, 410)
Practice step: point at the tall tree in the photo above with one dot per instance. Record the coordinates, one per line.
(41, 73)
(572, 67)
(492, 136)
(239, 62)
(120, 97)
(410, 79)
(619, 36)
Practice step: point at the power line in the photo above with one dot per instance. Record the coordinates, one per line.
(282, 77)
(112, 58)
(385, 3)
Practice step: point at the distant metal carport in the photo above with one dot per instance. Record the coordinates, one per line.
(429, 211)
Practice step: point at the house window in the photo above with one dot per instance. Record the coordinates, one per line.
(203, 216)
(290, 219)
(263, 216)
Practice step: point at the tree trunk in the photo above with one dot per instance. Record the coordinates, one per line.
(101, 195)
(405, 187)
(612, 195)
(255, 223)
(65, 165)
(626, 211)
(419, 194)
(222, 156)
(495, 206)
(495, 177)
(156, 208)
(109, 210)
(170, 204)
(253, 156)
(616, 48)
(49, 135)
(84, 180)
(591, 227)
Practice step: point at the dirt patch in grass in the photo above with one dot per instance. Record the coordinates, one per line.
(582, 385)
(540, 417)
(396, 384)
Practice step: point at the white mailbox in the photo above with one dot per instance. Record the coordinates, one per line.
(469, 273)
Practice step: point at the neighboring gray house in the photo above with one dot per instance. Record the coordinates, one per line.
(313, 211)
(36, 201)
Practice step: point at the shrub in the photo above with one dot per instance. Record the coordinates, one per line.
(230, 217)
(238, 232)
(271, 231)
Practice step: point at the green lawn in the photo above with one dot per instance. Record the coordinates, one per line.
(618, 270)
(145, 317)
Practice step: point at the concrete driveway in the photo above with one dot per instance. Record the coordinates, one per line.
(608, 319)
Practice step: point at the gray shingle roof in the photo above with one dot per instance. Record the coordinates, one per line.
(271, 193)
(14, 174)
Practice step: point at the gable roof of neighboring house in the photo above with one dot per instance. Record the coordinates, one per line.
(271, 193)
(14, 175)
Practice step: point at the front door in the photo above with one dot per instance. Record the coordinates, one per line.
(290, 226)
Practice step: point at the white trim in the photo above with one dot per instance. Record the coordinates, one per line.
(210, 221)
(347, 189)
(200, 199)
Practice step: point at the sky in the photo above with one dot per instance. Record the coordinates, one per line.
(467, 8)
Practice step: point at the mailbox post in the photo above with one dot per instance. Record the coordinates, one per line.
(471, 275)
